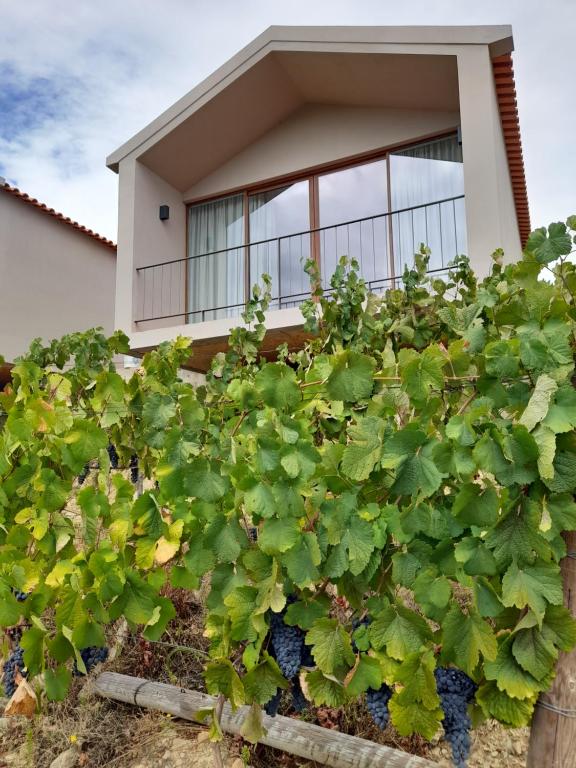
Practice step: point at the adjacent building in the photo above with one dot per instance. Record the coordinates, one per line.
(313, 143)
(56, 276)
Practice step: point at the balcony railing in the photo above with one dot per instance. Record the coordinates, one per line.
(216, 284)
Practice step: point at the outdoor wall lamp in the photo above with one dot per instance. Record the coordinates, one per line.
(164, 212)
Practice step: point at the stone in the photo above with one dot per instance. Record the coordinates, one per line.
(67, 759)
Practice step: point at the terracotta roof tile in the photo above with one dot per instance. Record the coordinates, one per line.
(60, 216)
(506, 95)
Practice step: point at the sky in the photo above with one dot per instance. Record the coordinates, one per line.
(78, 78)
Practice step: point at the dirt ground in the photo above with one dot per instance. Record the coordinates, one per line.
(85, 731)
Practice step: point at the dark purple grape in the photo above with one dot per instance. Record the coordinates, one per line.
(271, 707)
(84, 474)
(112, 455)
(456, 690)
(14, 663)
(91, 657)
(377, 703)
(299, 701)
(287, 645)
(134, 472)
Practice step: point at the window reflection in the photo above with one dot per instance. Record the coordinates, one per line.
(346, 196)
(283, 213)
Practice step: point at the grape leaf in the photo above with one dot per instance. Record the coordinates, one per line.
(365, 674)
(222, 678)
(509, 675)
(351, 378)
(363, 451)
(324, 691)
(465, 637)
(276, 384)
(331, 647)
(497, 704)
(532, 585)
(400, 630)
(539, 402)
(263, 680)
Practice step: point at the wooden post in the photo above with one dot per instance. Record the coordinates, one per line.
(299, 738)
(553, 734)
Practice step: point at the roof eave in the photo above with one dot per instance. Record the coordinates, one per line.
(497, 37)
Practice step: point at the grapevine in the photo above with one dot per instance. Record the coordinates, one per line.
(379, 514)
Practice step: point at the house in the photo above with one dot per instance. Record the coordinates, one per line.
(56, 276)
(313, 143)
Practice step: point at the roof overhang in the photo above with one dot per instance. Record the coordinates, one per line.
(268, 91)
(286, 68)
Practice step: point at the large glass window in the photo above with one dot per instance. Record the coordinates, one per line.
(347, 196)
(426, 174)
(277, 217)
(216, 263)
(377, 213)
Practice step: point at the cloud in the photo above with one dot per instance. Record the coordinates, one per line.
(78, 79)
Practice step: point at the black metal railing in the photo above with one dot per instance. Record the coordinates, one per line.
(215, 284)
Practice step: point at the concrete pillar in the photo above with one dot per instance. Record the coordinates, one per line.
(490, 216)
(125, 266)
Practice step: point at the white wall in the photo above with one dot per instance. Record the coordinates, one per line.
(53, 279)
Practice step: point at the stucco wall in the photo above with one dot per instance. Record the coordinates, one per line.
(53, 279)
(318, 134)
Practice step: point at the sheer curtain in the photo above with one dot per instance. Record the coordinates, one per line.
(215, 280)
(427, 173)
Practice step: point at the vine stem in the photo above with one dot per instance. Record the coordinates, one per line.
(216, 751)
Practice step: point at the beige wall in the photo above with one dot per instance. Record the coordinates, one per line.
(318, 134)
(53, 279)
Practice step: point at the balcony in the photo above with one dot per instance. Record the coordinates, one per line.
(215, 285)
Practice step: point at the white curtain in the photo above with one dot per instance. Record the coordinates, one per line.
(422, 176)
(215, 280)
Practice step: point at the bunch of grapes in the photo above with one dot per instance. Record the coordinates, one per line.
(253, 533)
(299, 701)
(134, 473)
(456, 690)
(19, 595)
(14, 663)
(271, 707)
(84, 474)
(377, 703)
(287, 645)
(91, 656)
(112, 455)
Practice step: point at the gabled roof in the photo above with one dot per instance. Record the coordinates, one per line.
(283, 39)
(15, 192)
(270, 78)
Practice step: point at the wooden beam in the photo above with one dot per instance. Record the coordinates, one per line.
(295, 736)
(553, 732)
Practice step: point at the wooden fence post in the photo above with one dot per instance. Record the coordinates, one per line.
(553, 734)
(297, 737)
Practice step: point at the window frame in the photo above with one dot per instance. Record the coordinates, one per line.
(312, 175)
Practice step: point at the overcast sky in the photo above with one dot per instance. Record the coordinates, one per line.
(79, 77)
